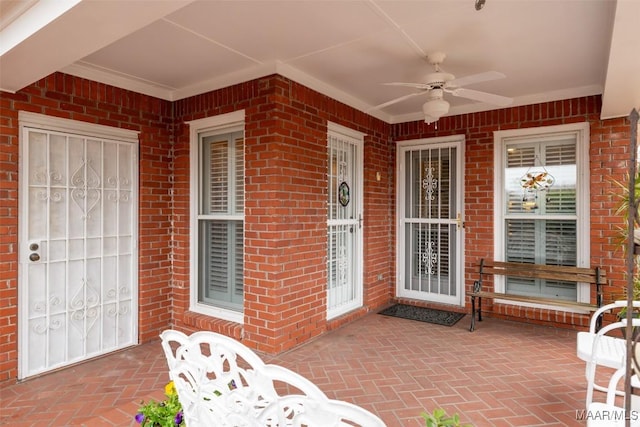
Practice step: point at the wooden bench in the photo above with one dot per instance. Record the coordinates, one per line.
(594, 276)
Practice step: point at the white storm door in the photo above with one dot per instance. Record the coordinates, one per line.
(78, 252)
(430, 222)
(344, 224)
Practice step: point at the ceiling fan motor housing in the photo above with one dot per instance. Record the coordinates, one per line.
(436, 93)
(438, 79)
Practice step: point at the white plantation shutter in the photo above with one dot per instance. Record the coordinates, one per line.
(560, 242)
(519, 159)
(238, 286)
(561, 198)
(216, 259)
(221, 219)
(238, 181)
(560, 153)
(218, 186)
(541, 226)
(521, 237)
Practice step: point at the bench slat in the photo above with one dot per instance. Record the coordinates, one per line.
(533, 273)
(538, 271)
(536, 300)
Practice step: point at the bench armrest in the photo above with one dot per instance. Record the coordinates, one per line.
(477, 286)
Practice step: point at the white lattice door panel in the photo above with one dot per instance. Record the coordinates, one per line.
(430, 223)
(78, 281)
(344, 257)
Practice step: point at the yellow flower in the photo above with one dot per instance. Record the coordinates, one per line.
(170, 389)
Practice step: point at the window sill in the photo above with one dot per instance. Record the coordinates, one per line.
(543, 306)
(207, 323)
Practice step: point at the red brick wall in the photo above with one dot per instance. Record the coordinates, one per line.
(69, 97)
(608, 156)
(285, 220)
(8, 241)
(286, 210)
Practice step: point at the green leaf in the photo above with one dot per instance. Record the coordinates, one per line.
(439, 418)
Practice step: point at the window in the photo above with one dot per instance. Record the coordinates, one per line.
(218, 216)
(542, 205)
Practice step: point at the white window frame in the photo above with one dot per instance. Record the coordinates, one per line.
(221, 123)
(583, 240)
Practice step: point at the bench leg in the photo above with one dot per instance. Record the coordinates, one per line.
(473, 314)
(474, 311)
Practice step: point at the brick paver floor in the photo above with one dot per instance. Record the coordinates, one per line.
(503, 374)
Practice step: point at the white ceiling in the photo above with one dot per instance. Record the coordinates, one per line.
(172, 49)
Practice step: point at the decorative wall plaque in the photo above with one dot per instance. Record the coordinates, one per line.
(343, 193)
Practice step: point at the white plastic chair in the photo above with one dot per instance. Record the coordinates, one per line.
(607, 414)
(611, 351)
(222, 382)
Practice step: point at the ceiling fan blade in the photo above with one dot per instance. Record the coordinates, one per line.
(476, 78)
(422, 86)
(393, 101)
(476, 95)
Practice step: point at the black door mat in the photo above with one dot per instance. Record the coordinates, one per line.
(430, 315)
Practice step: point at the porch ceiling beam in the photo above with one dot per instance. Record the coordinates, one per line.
(69, 35)
(622, 83)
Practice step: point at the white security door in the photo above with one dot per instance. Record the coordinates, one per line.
(78, 252)
(344, 257)
(430, 222)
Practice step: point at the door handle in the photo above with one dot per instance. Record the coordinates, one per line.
(459, 221)
(359, 220)
(33, 248)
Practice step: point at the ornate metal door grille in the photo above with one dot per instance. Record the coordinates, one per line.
(78, 249)
(430, 222)
(344, 290)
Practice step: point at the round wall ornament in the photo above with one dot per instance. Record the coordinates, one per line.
(343, 193)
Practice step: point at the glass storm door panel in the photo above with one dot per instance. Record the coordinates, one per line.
(78, 253)
(344, 259)
(430, 223)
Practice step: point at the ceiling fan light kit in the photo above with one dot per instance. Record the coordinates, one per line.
(434, 109)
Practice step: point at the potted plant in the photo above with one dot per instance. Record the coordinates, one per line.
(167, 413)
(623, 209)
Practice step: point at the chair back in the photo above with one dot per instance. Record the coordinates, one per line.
(222, 382)
(604, 348)
(616, 305)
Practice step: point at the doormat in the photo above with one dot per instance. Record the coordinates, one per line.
(430, 315)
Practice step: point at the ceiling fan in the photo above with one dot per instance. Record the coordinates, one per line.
(440, 82)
